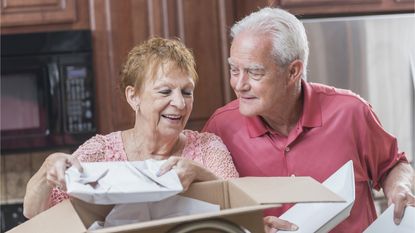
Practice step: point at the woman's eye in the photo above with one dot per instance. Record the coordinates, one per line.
(165, 92)
(188, 93)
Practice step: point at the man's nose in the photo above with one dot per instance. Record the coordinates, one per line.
(242, 81)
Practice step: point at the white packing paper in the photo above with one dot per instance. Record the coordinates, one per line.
(121, 182)
(322, 217)
(140, 212)
(384, 223)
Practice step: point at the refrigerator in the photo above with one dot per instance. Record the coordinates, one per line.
(374, 56)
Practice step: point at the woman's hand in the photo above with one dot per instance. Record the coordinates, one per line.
(273, 224)
(55, 167)
(187, 170)
(50, 175)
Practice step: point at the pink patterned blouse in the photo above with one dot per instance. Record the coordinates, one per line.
(205, 148)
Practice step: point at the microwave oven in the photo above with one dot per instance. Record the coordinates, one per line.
(47, 94)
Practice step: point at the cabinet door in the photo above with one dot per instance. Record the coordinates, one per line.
(201, 25)
(37, 12)
(344, 7)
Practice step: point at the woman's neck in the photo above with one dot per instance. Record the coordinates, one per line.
(140, 146)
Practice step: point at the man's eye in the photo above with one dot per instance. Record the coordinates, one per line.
(165, 92)
(255, 74)
(234, 71)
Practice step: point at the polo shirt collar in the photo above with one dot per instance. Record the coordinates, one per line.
(311, 115)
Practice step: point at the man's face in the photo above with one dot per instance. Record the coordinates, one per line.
(259, 83)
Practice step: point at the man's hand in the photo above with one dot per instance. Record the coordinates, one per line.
(400, 196)
(273, 224)
(397, 188)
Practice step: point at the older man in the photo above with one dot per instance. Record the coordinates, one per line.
(280, 125)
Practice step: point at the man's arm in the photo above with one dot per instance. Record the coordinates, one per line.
(398, 189)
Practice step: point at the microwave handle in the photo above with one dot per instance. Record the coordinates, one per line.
(55, 96)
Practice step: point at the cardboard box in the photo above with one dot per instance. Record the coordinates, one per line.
(322, 217)
(242, 202)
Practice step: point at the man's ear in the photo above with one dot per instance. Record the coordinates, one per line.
(295, 70)
(132, 98)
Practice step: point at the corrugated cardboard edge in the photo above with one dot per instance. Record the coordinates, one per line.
(210, 191)
(285, 190)
(233, 215)
(62, 217)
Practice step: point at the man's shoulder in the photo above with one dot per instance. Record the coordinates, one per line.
(338, 93)
(232, 108)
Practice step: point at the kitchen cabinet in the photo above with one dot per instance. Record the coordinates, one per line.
(344, 7)
(22, 16)
(201, 25)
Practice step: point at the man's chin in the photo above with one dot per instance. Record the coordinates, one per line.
(246, 111)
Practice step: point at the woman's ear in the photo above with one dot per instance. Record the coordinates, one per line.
(295, 70)
(132, 98)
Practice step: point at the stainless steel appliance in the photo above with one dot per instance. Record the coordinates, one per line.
(374, 56)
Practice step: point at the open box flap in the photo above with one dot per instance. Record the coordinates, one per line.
(277, 190)
(322, 217)
(137, 227)
(60, 218)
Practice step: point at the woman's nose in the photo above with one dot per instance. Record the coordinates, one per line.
(178, 100)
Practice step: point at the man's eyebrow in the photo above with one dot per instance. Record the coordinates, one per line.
(255, 67)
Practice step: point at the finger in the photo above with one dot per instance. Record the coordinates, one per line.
(73, 161)
(51, 179)
(399, 208)
(167, 166)
(269, 229)
(280, 224)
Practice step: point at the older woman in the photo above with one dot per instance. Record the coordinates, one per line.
(158, 79)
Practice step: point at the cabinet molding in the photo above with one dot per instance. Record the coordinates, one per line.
(37, 12)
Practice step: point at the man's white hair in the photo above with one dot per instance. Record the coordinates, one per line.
(289, 40)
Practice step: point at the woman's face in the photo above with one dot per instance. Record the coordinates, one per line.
(167, 101)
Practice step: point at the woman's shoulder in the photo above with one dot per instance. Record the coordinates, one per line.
(194, 136)
(202, 140)
(101, 147)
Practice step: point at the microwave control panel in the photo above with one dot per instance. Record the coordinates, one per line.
(79, 100)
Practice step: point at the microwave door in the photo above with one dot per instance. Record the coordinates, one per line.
(55, 100)
(24, 101)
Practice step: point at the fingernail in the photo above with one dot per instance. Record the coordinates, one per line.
(397, 221)
(294, 227)
(158, 173)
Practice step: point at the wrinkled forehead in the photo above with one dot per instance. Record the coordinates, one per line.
(167, 72)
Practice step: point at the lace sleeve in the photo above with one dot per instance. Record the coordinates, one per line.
(216, 156)
(92, 150)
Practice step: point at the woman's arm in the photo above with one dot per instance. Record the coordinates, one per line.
(51, 174)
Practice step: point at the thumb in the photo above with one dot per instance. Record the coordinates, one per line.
(73, 161)
(167, 166)
(279, 224)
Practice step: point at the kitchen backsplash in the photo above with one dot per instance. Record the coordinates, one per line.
(15, 172)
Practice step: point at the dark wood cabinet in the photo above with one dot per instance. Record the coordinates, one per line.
(201, 25)
(344, 7)
(22, 16)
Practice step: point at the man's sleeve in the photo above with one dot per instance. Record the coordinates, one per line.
(380, 149)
